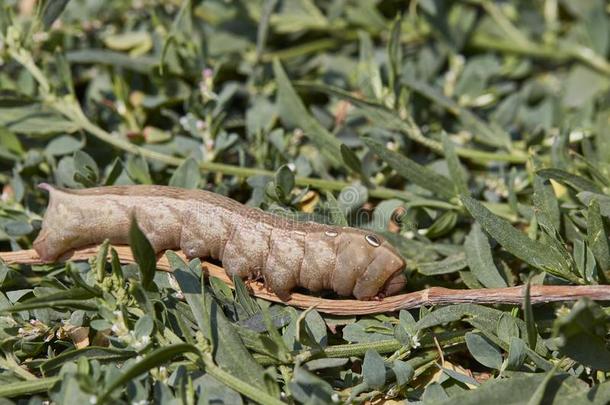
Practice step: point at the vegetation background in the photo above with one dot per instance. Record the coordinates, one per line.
(474, 134)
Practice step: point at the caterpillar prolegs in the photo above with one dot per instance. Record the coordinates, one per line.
(250, 243)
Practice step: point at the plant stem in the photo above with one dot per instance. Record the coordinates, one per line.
(9, 363)
(431, 296)
(517, 42)
(26, 60)
(580, 53)
(20, 388)
(356, 349)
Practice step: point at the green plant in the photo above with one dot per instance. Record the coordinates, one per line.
(473, 134)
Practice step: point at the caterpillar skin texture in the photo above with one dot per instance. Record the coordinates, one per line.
(250, 243)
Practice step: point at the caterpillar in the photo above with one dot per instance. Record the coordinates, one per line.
(250, 243)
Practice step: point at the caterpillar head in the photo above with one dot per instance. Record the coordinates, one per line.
(367, 265)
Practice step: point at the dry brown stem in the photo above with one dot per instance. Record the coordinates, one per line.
(431, 296)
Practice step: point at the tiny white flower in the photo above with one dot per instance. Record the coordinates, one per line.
(415, 343)
(40, 36)
(121, 108)
(207, 73)
(184, 121)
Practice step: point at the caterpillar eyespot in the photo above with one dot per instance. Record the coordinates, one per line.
(373, 240)
(249, 242)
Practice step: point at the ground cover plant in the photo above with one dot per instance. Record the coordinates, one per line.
(473, 134)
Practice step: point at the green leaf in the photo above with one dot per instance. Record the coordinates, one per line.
(337, 215)
(480, 260)
(450, 264)
(483, 351)
(597, 239)
(528, 315)
(530, 251)
(144, 326)
(137, 168)
(582, 335)
(52, 10)
(10, 147)
(507, 327)
(442, 225)
(116, 168)
(463, 378)
(351, 198)
(582, 85)
(311, 329)
(456, 170)
(229, 350)
(483, 316)
(395, 55)
(35, 120)
(64, 145)
(418, 174)
(538, 396)
(603, 200)
(280, 348)
(483, 132)
(293, 113)
(373, 370)
(299, 15)
(351, 160)
(546, 205)
(369, 74)
(102, 354)
(263, 26)
(309, 388)
(434, 393)
(182, 24)
(64, 73)
(86, 170)
(284, 182)
(141, 64)
(99, 263)
(155, 358)
(187, 175)
(578, 183)
(143, 252)
(244, 299)
(562, 389)
(137, 42)
(584, 259)
(516, 353)
(404, 372)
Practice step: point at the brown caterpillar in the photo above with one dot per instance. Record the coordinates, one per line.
(250, 243)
